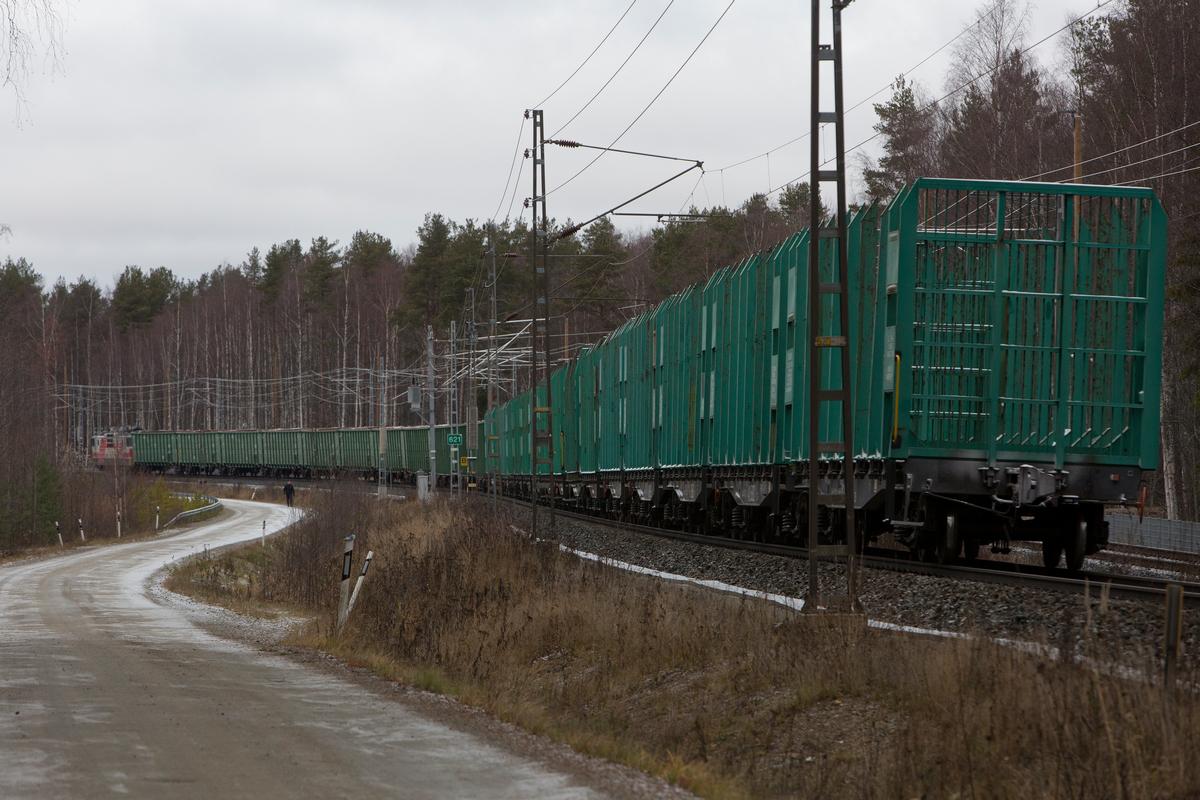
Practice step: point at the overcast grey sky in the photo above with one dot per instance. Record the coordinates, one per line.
(184, 133)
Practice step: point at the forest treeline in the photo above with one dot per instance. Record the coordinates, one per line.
(294, 335)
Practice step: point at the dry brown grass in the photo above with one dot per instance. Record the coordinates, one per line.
(727, 696)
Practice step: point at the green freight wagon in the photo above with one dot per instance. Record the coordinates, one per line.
(1006, 364)
(154, 451)
(241, 452)
(359, 451)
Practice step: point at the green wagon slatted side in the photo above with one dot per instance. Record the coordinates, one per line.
(360, 449)
(866, 326)
(240, 448)
(1023, 323)
(586, 398)
(190, 451)
(324, 453)
(565, 418)
(408, 449)
(514, 435)
(155, 449)
(635, 416)
(285, 449)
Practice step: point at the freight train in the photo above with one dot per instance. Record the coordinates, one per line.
(1006, 368)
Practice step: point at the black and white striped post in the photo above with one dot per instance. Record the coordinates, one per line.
(118, 524)
(157, 510)
(264, 535)
(82, 538)
(58, 530)
(344, 600)
(361, 577)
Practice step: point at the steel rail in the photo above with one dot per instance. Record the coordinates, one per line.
(998, 572)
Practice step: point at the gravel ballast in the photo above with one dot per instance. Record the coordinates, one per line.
(1125, 632)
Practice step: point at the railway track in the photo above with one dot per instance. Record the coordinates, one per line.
(998, 572)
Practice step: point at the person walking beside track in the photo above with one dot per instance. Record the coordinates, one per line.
(289, 492)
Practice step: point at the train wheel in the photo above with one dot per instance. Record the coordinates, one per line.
(970, 549)
(1051, 552)
(949, 542)
(1077, 547)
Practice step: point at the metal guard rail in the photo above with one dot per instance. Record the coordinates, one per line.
(213, 505)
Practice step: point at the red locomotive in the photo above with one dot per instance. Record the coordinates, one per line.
(112, 449)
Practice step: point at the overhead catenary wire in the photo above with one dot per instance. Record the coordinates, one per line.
(563, 127)
(1116, 152)
(1134, 163)
(508, 181)
(1183, 171)
(653, 100)
(589, 57)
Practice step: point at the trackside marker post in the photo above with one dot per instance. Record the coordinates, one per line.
(82, 538)
(157, 509)
(118, 524)
(1174, 634)
(358, 586)
(344, 599)
(58, 530)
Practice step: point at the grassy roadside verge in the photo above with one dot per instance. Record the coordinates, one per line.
(728, 697)
(144, 498)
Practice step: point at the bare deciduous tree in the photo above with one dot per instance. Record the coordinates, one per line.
(28, 28)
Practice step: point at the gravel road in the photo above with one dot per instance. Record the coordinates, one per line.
(110, 688)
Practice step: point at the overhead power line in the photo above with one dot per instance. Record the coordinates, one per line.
(1134, 163)
(1115, 152)
(563, 127)
(1160, 175)
(508, 181)
(589, 58)
(652, 100)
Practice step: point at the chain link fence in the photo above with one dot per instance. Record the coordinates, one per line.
(1160, 534)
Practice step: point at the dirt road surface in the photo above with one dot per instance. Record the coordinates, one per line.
(107, 692)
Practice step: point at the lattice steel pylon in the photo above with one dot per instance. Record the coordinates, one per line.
(540, 438)
(830, 485)
(492, 443)
(452, 386)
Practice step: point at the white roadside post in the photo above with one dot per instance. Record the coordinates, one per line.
(358, 586)
(344, 599)
(157, 511)
(118, 524)
(58, 530)
(82, 538)
(264, 535)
